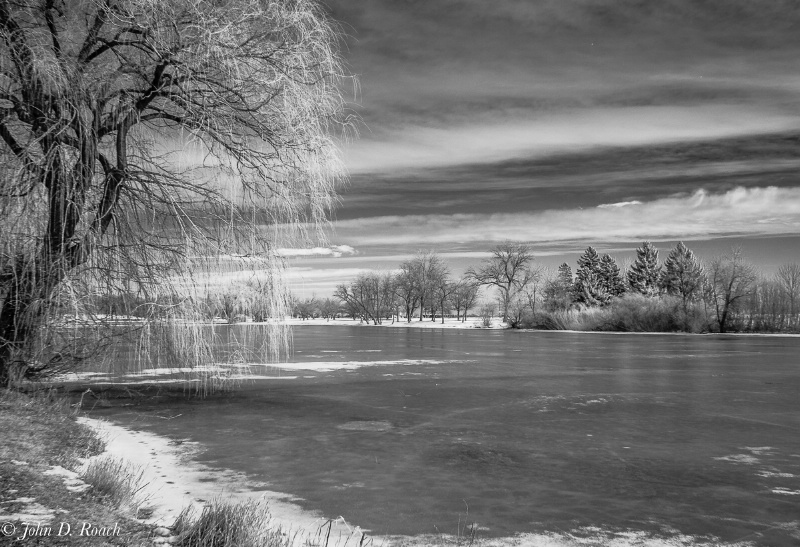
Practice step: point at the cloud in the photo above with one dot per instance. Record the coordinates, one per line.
(701, 215)
(619, 204)
(333, 250)
(487, 141)
(443, 81)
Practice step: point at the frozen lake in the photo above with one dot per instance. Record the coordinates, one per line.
(401, 431)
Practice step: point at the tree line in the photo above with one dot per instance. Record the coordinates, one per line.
(681, 293)
(422, 286)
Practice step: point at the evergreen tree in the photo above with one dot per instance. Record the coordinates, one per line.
(589, 285)
(645, 273)
(610, 276)
(558, 292)
(683, 275)
(564, 279)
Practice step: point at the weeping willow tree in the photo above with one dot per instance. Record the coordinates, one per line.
(146, 145)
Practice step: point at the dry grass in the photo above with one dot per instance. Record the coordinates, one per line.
(39, 432)
(248, 524)
(227, 524)
(41, 426)
(116, 481)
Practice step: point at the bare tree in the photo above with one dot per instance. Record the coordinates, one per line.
(508, 269)
(442, 291)
(330, 308)
(730, 279)
(141, 140)
(308, 308)
(788, 276)
(371, 293)
(765, 307)
(427, 270)
(523, 303)
(406, 288)
(463, 297)
(532, 291)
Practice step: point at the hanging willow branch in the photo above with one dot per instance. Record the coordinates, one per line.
(144, 141)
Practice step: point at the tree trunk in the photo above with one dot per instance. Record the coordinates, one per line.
(13, 332)
(723, 320)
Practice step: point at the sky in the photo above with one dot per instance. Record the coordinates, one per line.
(563, 124)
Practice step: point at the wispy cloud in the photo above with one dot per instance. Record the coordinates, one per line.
(619, 204)
(332, 250)
(701, 215)
(490, 141)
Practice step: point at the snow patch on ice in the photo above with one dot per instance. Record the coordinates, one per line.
(739, 458)
(786, 491)
(329, 366)
(759, 450)
(769, 474)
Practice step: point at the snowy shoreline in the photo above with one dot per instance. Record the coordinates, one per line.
(449, 323)
(175, 481)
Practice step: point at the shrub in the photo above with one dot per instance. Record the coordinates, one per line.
(486, 314)
(629, 313)
(639, 313)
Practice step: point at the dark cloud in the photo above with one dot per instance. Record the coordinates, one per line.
(422, 61)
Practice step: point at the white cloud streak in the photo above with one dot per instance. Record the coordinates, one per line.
(619, 204)
(333, 250)
(741, 211)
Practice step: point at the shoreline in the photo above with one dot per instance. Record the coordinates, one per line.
(449, 323)
(174, 481)
(497, 324)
